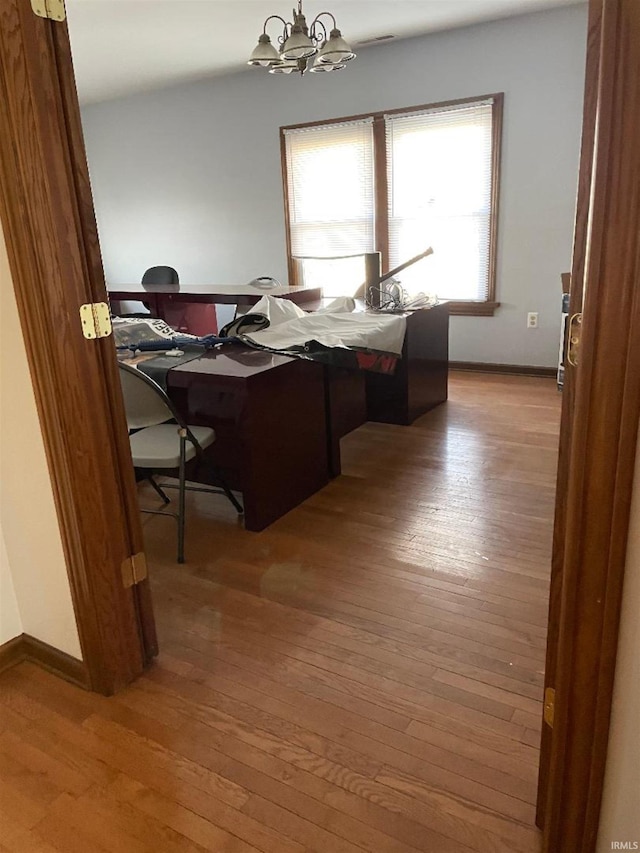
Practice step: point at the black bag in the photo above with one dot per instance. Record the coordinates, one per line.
(244, 324)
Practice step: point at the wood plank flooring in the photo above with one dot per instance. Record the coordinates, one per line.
(365, 674)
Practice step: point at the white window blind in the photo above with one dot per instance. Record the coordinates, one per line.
(439, 166)
(330, 182)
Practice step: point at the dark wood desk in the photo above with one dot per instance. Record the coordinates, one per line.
(420, 382)
(269, 415)
(279, 420)
(159, 297)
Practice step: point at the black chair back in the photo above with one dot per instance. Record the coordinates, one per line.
(160, 275)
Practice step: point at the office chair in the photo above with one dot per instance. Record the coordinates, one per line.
(160, 275)
(154, 275)
(191, 317)
(161, 441)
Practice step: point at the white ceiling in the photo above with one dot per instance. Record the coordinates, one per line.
(125, 46)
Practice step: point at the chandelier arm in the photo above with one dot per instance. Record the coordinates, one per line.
(312, 31)
(286, 24)
(330, 14)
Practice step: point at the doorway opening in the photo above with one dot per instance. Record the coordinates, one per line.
(610, 328)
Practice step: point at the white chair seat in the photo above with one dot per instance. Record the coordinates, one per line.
(159, 446)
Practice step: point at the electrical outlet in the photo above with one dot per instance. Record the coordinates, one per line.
(532, 320)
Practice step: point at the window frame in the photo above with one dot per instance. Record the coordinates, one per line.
(487, 307)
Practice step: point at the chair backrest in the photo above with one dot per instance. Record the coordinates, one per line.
(145, 403)
(160, 275)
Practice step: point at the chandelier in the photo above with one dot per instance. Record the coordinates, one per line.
(300, 45)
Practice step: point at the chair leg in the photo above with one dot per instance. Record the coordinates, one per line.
(181, 498)
(225, 488)
(157, 488)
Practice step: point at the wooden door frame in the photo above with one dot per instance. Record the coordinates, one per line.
(577, 280)
(48, 218)
(599, 472)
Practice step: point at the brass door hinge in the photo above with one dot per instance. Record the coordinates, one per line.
(575, 333)
(52, 9)
(134, 569)
(549, 705)
(96, 320)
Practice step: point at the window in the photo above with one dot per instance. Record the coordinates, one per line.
(331, 202)
(398, 182)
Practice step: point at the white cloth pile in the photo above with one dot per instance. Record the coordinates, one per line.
(336, 325)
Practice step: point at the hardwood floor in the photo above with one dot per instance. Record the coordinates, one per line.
(365, 674)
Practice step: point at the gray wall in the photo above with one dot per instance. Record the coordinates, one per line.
(190, 176)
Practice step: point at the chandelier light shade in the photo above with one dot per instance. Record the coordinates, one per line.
(264, 53)
(319, 66)
(336, 50)
(298, 45)
(302, 47)
(284, 66)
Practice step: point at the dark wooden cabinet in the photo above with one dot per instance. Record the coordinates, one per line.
(420, 382)
(269, 415)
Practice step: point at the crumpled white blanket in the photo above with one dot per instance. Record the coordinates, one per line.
(336, 325)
